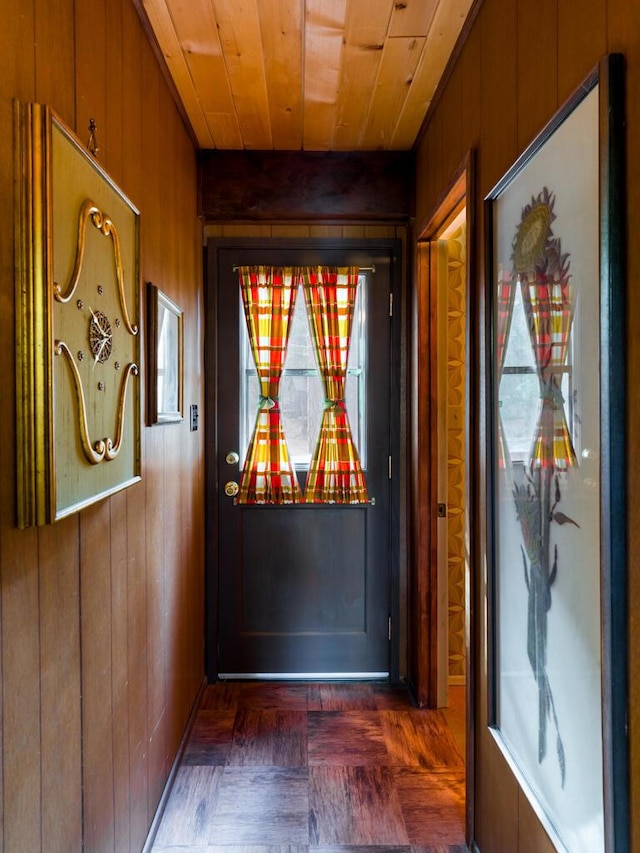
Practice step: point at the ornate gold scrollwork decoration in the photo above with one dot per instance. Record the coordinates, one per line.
(104, 448)
(101, 221)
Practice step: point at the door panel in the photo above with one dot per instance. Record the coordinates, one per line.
(304, 589)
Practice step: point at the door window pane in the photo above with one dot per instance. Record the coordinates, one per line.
(301, 393)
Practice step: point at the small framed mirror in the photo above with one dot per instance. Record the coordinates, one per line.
(166, 345)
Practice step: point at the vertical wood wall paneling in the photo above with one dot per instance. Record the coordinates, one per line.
(537, 67)
(113, 159)
(470, 116)
(91, 85)
(18, 550)
(95, 561)
(192, 508)
(58, 553)
(114, 57)
(135, 140)
(61, 722)
(582, 34)
(451, 115)
(152, 270)
(497, 821)
(78, 661)
(499, 91)
(174, 613)
(502, 112)
(55, 58)
(97, 687)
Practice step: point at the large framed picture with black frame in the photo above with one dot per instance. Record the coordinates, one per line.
(557, 578)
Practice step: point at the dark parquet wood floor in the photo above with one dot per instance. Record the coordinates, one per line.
(315, 768)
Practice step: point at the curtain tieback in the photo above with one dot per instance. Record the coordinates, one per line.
(267, 402)
(552, 395)
(335, 405)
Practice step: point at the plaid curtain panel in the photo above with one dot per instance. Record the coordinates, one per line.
(548, 308)
(335, 473)
(268, 297)
(506, 298)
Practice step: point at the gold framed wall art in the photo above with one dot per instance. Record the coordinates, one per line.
(77, 324)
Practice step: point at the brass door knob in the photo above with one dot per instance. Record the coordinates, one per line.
(232, 458)
(231, 489)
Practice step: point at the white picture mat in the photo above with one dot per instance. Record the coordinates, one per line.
(567, 165)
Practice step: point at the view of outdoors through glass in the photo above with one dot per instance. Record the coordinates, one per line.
(301, 393)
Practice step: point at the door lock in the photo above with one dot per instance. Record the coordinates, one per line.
(231, 489)
(442, 510)
(232, 458)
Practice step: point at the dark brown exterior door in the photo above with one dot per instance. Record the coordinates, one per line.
(304, 589)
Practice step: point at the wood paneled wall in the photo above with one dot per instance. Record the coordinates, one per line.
(101, 613)
(519, 64)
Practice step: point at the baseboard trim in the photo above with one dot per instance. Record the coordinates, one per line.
(166, 791)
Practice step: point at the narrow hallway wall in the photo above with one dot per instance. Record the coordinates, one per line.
(101, 613)
(519, 64)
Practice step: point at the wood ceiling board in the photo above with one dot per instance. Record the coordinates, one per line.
(360, 66)
(197, 34)
(225, 130)
(324, 34)
(413, 17)
(365, 31)
(241, 40)
(367, 22)
(281, 25)
(399, 62)
(446, 28)
(165, 33)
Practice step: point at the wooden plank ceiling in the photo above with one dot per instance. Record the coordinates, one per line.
(316, 75)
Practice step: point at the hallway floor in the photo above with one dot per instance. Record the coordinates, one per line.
(301, 767)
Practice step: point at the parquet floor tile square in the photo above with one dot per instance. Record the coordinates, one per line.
(432, 804)
(354, 805)
(261, 805)
(269, 738)
(221, 696)
(351, 738)
(211, 737)
(191, 807)
(419, 738)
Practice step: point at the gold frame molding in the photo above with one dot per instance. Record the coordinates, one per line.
(94, 388)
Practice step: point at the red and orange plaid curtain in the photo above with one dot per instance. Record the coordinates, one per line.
(549, 311)
(506, 298)
(335, 473)
(268, 297)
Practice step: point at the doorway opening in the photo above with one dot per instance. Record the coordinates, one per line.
(441, 668)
